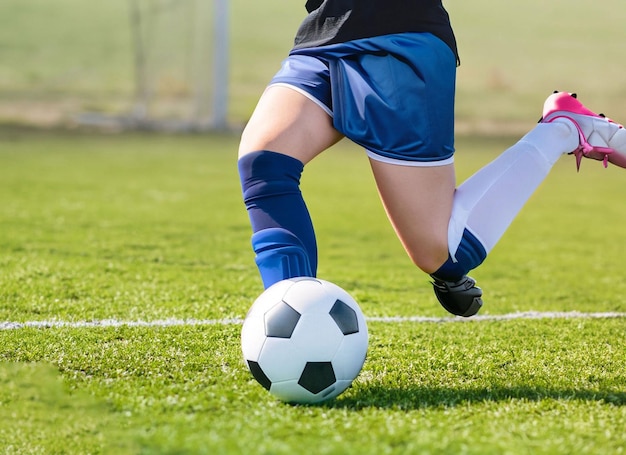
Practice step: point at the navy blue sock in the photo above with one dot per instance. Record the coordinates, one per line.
(283, 236)
(469, 255)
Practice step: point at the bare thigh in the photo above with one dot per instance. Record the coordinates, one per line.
(286, 121)
(418, 202)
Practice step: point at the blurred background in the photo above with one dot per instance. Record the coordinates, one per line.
(201, 64)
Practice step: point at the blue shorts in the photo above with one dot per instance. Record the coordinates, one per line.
(392, 94)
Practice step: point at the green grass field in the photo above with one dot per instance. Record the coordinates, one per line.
(147, 228)
(125, 262)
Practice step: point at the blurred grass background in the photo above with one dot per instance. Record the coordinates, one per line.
(61, 58)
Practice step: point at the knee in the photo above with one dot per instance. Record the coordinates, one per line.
(431, 257)
(264, 174)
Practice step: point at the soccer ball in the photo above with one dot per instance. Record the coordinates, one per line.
(304, 340)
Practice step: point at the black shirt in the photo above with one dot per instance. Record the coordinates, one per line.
(337, 21)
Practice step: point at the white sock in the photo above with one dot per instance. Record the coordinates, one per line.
(487, 202)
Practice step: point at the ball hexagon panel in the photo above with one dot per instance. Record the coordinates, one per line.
(350, 355)
(317, 336)
(253, 330)
(269, 298)
(253, 337)
(281, 359)
(308, 293)
(292, 392)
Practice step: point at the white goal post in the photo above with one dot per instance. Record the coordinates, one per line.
(180, 65)
(220, 65)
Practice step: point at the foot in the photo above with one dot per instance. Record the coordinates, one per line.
(600, 138)
(461, 298)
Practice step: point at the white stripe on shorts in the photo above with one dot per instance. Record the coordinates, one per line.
(384, 159)
(305, 93)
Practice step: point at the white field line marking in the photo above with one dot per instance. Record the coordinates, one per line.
(103, 323)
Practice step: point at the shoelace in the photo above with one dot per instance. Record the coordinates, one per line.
(585, 148)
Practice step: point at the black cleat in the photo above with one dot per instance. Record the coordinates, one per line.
(461, 298)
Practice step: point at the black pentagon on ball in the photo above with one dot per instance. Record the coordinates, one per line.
(281, 321)
(317, 376)
(345, 317)
(259, 375)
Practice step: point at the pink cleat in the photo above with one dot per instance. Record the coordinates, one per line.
(600, 137)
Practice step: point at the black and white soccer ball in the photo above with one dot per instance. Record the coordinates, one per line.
(304, 340)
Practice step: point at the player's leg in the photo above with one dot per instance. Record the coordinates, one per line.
(418, 202)
(286, 131)
(399, 104)
(288, 122)
(447, 233)
(486, 204)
